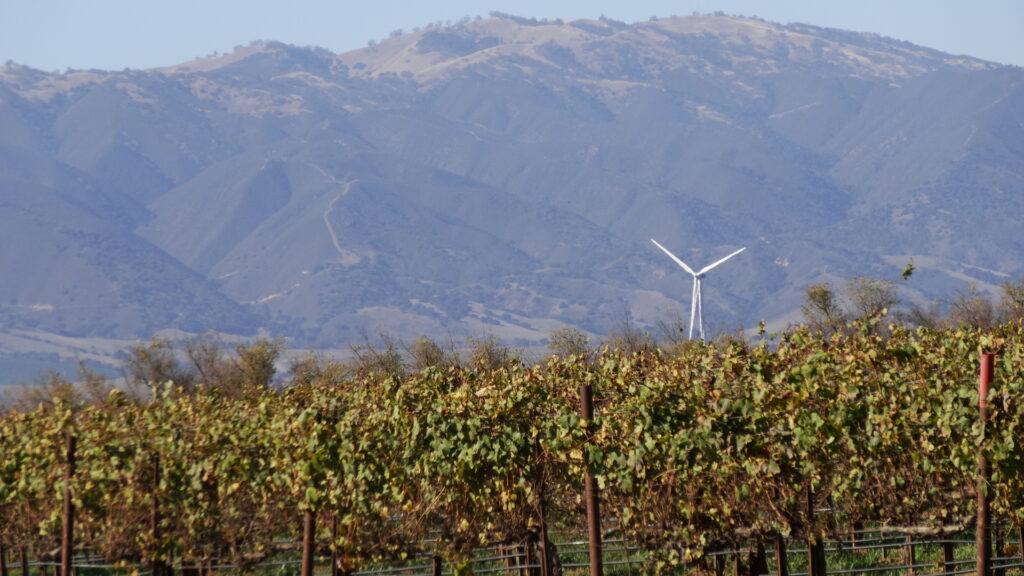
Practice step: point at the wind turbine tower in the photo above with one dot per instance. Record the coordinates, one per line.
(696, 310)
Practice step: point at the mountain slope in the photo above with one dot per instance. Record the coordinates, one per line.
(504, 176)
(74, 266)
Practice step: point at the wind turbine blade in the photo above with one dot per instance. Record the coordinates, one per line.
(710, 266)
(673, 256)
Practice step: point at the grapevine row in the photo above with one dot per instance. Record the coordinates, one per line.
(691, 452)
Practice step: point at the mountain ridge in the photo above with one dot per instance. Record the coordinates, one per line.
(503, 176)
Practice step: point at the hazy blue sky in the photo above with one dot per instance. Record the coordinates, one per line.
(114, 34)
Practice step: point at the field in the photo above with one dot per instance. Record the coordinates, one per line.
(727, 446)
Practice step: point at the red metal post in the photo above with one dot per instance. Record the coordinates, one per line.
(983, 540)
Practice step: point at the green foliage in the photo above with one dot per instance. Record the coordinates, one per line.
(908, 270)
(692, 450)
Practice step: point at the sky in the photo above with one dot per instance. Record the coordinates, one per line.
(57, 35)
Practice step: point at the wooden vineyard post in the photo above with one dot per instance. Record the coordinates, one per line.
(528, 559)
(334, 546)
(815, 544)
(542, 520)
(759, 563)
(67, 544)
(3, 559)
(948, 556)
(24, 561)
(160, 565)
(189, 568)
(308, 541)
(856, 534)
(542, 536)
(1020, 541)
(996, 551)
(983, 539)
(781, 560)
(512, 559)
(910, 554)
(591, 493)
(435, 566)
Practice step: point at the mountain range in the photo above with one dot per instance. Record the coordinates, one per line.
(502, 176)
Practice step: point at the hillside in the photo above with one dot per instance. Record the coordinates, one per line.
(503, 176)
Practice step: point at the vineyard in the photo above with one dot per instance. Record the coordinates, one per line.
(714, 447)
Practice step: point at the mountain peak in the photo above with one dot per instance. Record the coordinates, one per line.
(716, 44)
(264, 58)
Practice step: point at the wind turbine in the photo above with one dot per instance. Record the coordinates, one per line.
(696, 310)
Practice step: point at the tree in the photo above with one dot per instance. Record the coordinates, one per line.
(384, 360)
(821, 309)
(489, 353)
(866, 298)
(252, 365)
(1011, 307)
(425, 353)
(871, 296)
(671, 331)
(929, 316)
(628, 338)
(568, 341)
(154, 363)
(256, 363)
(973, 309)
(206, 354)
(54, 390)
